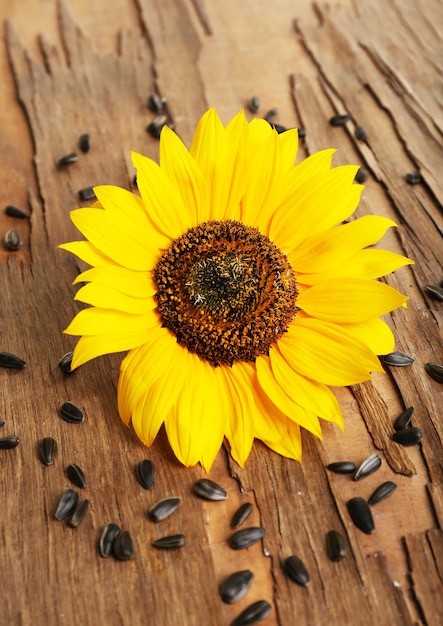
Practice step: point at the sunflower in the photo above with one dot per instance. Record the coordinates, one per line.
(237, 288)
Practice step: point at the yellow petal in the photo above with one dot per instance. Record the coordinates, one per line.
(350, 300)
(240, 425)
(375, 333)
(108, 298)
(291, 446)
(288, 144)
(91, 346)
(135, 284)
(86, 252)
(260, 130)
(96, 321)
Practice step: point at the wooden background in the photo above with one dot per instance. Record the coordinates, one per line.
(79, 66)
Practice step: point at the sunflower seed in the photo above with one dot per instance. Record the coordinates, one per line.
(413, 178)
(236, 586)
(9, 442)
(398, 359)
(254, 104)
(12, 240)
(270, 115)
(107, 539)
(242, 513)
(84, 142)
(67, 504)
(145, 474)
(76, 475)
(382, 492)
(2, 423)
(296, 570)
(369, 466)
(408, 436)
(339, 120)
(14, 211)
(48, 450)
(301, 133)
(361, 133)
(435, 371)
(155, 127)
(253, 614)
(67, 159)
(65, 363)
(123, 546)
(335, 545)
(278, 127)
(163, 509)
(342, 467)
(87, 194)
(404, 419)
(435, 291)
(79, 514)
(11, 360)
(209, 490)
(155, 103)
(362, 175)
(246, 537)
(361, 514)
(71, 413)
(170, 542)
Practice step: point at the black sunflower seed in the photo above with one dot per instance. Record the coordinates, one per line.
(362, 175)
(65, 363)
(369, 466)
(413, 178)
(155, 103)
(339, 120)
(170, 542)
(435, 291)
(382, 492)
(404, 419)
(2, 423)
(361, 133)
(253, 614)
(163, 509)
(270, 115)
(408, 436)
(435, 371)
(254, 104)
(87, 194)
(209, 490)
(12, 240)
(342, 467)
(398, 359)
(67, 159)
(11, 360)
(107, 539)
(9, 442)
(79, 514)
(145, 473)
(278, 127)
(296, 570)
(76, 475)
(242, 513)
(236, 586)
(123, 546)
(361, 514)
(71, 413)
(301, 133)
(155, 127)
(335, 545)
(67, 504)
(84, 142)
(246, 537)
(47, 450)
(13, 211)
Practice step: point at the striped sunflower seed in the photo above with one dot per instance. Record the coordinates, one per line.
(404, 419)
(156, 126)
(66, 504)
(71, 413)
(48, 450)
(362, 175)
(170, 542)
(408, 436)
(342, 467)
(369, 466)
(361, 514)
(398, 359)
(13, 211)
(65, 363)
(435, 291)
(79, 514)
(335, 545)
(9, 442)
(339, 120)
(254, 104)
(11, 361)
(361, 133)
(12, 240)
(76, 475)
(235, 586)
(163, 509)
(84, 142)
(382, 492)
(107, 539)
(270, 115)
(209, 490)
(435, 371)
(413, 178)
(253, 614)
(123, 546)
(2, 423)
(87, 193)
(241, 514)
(155, 103)
(67, 159)
(296, 570)
(145, 473)
(246, 537)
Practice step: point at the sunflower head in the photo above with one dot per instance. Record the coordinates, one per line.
(236, 287)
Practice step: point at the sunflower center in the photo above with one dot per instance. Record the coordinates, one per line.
(225, 291)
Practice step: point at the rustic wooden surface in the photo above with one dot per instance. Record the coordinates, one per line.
(80, 66)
